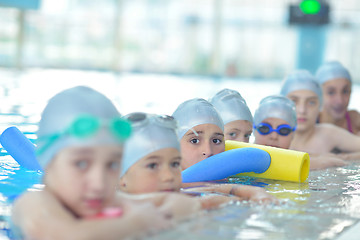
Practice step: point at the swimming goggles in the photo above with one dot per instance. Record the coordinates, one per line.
(283, 129)
(138, 119)
(86, 126)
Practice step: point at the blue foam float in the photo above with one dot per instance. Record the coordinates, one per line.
(228, 163)
(20, 148)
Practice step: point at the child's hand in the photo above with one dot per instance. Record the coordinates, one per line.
(216, 201)
(251, 193)
(179, 206)
(322, 162)
(146, 218)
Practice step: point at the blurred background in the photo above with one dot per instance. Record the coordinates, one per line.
(233, 38)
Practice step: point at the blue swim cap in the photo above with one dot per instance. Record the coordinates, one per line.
(300, 80)
(276, 106)
(56, 128)
(231, 106)
(150, 133)
(331, 70)
(195, 112)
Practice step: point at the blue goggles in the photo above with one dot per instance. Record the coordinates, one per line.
(283, 129)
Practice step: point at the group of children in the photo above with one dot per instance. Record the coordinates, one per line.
(108, 177)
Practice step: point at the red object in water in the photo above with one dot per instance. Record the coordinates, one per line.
(110, 213)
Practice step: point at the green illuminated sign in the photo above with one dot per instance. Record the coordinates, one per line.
(310, 7)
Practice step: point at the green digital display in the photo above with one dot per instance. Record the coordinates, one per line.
(310, 7)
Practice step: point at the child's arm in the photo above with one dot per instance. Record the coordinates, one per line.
(39, 215)
(180, 206)
(342, 139)
(323, 161)
(176, 205)
(244, 192)
(349, 156)
(355, 120)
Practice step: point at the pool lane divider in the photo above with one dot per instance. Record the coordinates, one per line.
(286, 165)
(20, 148)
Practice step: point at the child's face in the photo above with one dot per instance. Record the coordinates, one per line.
(156, 172)
(307, 108)
(239, 130)
(336, 96)
(274, 139)
(210, 141)
(84, 179)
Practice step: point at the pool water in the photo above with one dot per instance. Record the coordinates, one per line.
(327, 206)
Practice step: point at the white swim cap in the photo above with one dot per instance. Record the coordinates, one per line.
(276, 106)
(78, 116)
(231, 106)
(331, 70)
(300, 80)
(150, 133)
(194, 112)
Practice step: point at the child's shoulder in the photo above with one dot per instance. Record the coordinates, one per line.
(33, 200)
(354, 113)
(355, 117)
(327, 131)
(326, 127)
(330, 131)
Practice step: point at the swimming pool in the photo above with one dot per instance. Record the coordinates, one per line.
(325, 207)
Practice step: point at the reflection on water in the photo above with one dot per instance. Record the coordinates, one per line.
(321, 208)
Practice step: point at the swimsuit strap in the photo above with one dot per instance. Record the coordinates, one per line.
(348, 121)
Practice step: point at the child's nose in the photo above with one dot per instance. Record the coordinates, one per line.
(97, 181)
(207, 150)
(167, 175)
(274, 135)
(301, 108)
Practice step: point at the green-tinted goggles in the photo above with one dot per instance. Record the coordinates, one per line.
(86, 126)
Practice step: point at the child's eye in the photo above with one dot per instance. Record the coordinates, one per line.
(194, 141)
(294, 100)
(312, 103)
(232, 134)
(82, 164)
(331, 92)
(247, 135)
(152, 165)
(217, 141)
(114, 165)
(175, 164)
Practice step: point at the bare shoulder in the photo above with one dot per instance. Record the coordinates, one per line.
(329, 129)
(354, 114)
(29, 201)
(355, 118)
(33, 211)
(324, 130)
(24, 211)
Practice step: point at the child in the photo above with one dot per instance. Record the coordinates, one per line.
(235, 113)
(200, 130)
(80, 140)
(275, 122)
(335, 81)
(316, 139)
(151, 161)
